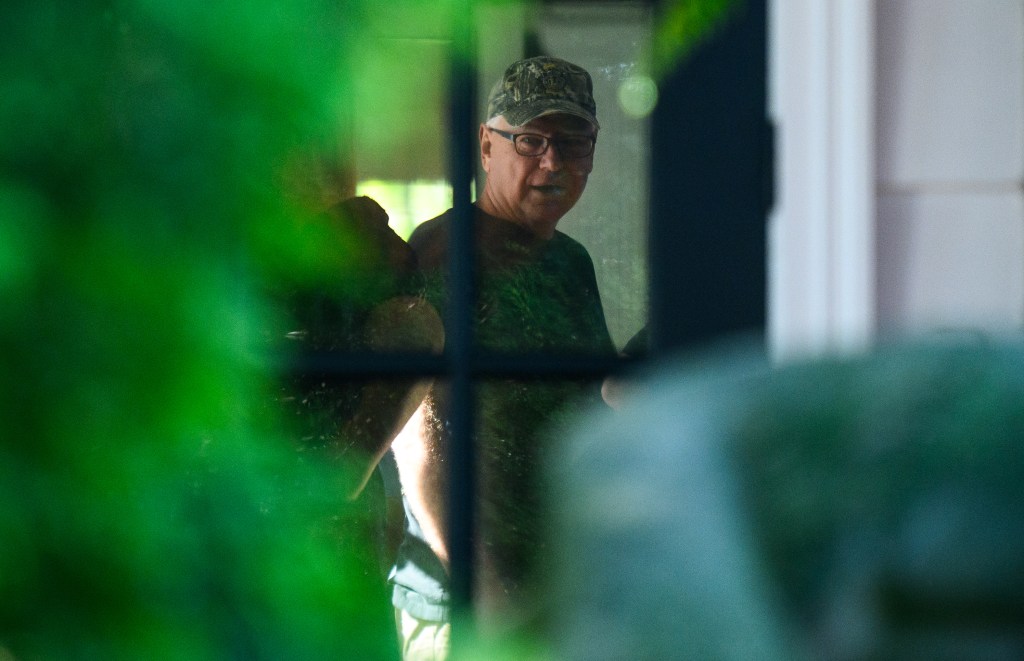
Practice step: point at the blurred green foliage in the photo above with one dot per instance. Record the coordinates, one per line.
(152, 503)
(682, 25)
(861, 506)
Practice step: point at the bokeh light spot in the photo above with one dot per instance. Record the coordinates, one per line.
(638, 95)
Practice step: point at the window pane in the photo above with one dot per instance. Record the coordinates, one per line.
(610, 220)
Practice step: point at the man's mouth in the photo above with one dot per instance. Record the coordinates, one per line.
(549, 190)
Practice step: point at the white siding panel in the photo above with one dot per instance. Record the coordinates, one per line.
(951, 106)
(952, 260)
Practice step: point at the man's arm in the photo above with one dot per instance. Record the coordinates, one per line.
(423, 476)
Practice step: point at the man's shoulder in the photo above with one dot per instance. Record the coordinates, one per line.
(565, 244)
(429, 229)
(562, 238)
(430, 239)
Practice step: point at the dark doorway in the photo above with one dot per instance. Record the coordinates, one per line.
(710, 188)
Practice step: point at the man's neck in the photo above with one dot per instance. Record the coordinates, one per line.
(486, 204)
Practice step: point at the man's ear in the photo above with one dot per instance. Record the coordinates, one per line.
(485, 148)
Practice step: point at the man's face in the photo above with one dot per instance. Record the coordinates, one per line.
(533, 191)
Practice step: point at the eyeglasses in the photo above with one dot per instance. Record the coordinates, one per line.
(532, 144)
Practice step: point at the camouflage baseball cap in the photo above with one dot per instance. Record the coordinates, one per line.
(541, 86)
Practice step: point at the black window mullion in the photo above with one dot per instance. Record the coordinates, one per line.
(459, 328)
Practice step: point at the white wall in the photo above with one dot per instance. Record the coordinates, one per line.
(924, 229)
(950, 226)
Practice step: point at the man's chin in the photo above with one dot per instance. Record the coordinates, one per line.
(551, 208)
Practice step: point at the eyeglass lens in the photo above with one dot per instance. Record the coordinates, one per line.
(530, 144)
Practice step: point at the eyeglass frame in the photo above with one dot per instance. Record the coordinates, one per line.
(548, 142)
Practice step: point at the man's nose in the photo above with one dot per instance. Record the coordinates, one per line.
(551, 159)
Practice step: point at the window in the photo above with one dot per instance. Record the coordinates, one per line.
(698, 169)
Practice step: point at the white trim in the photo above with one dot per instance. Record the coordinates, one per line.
(821, 253)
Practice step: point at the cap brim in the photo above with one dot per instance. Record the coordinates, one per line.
(531, 111)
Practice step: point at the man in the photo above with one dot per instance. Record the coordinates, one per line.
(536, 293)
